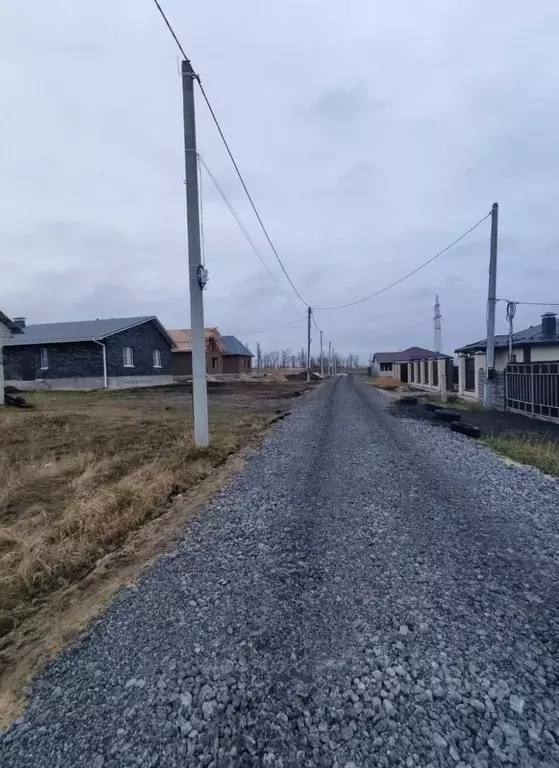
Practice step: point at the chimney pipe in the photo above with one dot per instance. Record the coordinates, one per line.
(19, 321)
(549, 325)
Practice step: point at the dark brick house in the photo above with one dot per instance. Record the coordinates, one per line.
(90, 354)
(181, 364)
(236, 358)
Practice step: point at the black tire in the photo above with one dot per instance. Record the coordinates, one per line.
(465, 429)
(444, 415)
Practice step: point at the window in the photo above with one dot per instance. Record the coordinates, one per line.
(215, 363)
(128, 357)
(386, 366)
(44, 358)
(157, 358)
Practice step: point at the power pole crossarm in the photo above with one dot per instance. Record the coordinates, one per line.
(491, 305)
(195, 279)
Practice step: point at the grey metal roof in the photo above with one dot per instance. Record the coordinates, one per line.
(412, 353)
(235, 347)
(81, 330)
(531, 335)
(9, 324)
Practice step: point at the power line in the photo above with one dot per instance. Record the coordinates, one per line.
(533, 303)
(171, 30)
(409, 274)
(231, 156)
(243, 228)
(276, 327)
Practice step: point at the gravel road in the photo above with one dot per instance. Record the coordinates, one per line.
(369, 591)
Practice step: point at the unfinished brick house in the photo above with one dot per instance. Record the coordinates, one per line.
(236, 358)
(181, 361)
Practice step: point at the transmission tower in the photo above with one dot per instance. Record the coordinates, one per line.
(437, 325)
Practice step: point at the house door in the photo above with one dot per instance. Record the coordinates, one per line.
(28, 364)
(404, 373)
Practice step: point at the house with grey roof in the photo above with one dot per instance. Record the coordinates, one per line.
(237, 358)
(384, 362)
(538, 343)
(109, 353)
(7, 330)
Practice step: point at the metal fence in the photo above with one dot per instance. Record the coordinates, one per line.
(533, 388)
(470, 374)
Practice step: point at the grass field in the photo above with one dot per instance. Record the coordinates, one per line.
(82, 470)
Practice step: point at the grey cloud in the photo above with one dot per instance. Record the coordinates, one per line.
(369, 138)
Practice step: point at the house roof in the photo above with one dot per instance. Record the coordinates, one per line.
(531, 335)
(182, 338)
(80, 330)
(235, 347)
(5, 320)
(411, 353)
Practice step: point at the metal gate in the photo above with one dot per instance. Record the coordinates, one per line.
(470, 374)
(533, 388)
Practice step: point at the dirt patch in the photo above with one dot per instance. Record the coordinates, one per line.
(387, 383)
(491, 423)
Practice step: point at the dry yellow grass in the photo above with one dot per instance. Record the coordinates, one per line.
(83, 470)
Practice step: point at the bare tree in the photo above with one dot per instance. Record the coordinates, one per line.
(285, 355)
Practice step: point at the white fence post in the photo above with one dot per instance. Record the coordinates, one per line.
(461, 374)
(479, 365)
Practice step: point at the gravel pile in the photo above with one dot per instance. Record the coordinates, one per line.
(369, 591)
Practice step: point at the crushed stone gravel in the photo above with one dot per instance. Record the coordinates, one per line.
(369, 591)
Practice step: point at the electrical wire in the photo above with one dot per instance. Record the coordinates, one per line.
(243, 228)
(533, 303)
(409, 274)
(231, 156)
(275, 328)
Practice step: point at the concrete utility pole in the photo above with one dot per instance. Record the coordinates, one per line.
(196, 272)
(491, 305)
(329, 358)
(321, 356)
(309, 316)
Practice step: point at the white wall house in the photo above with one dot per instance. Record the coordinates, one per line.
(7, 330)
(536, 344)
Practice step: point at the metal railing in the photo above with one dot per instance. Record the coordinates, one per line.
(533, 388)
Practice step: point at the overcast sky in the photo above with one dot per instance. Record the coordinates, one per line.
(370, 133)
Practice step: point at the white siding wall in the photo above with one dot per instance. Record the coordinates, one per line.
(538, 354)
(549, 352)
